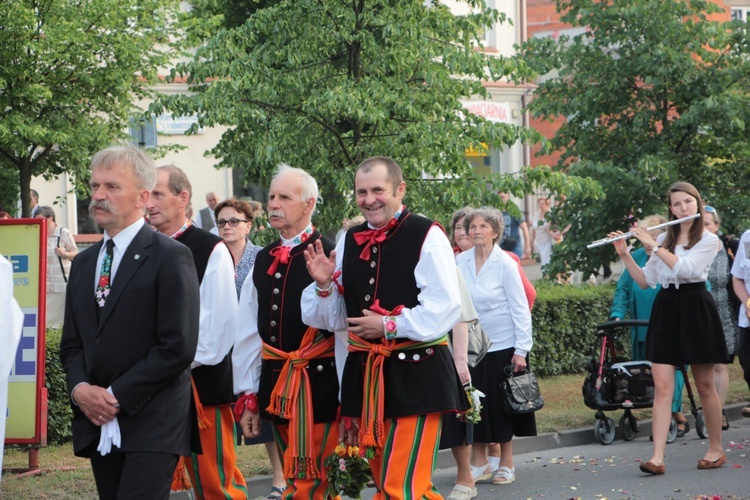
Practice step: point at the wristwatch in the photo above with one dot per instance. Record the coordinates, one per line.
(655, 249)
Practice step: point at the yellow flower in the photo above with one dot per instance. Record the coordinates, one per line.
(340, 450)
(354, 451)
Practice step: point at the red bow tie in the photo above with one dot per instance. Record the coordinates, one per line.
(280, 254)
(371, 236)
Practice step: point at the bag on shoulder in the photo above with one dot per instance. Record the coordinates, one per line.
(479, 343)
(521, 392)
(509, 243)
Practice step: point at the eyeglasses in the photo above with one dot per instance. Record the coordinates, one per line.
(231, 222)
(709, 209)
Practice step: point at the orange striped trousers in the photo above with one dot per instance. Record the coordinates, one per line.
(214, 473)
(404, 468)
(325, 439)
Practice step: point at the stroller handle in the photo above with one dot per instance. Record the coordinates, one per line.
(611, 325)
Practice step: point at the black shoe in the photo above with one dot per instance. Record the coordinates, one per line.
(724, 421)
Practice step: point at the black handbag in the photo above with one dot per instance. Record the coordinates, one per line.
(521, 392)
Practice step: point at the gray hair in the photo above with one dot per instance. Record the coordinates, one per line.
(177, 181)
(309, 185)
(45, 212)
(131, 156)
(492, 215)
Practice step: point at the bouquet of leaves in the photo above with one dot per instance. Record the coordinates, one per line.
(474, 414)
(348, 472)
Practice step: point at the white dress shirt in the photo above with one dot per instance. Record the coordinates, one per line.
(741, 270)
(123, 239)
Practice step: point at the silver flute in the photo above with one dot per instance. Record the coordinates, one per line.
(604, 241)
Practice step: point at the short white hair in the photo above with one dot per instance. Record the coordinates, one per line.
(309, 185)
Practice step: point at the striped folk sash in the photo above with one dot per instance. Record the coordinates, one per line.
(291, 399)
(371, 432)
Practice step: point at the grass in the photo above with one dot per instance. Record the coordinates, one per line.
(64, 476)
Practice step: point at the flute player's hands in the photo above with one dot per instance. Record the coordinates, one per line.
(642, 234)
(621, 246)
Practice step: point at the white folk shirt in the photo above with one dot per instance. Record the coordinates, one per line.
(218, 309)
(498, 295)
(692, 265)
(741, 270)
(439, 298)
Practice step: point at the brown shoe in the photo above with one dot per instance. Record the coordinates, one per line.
(651, 468)
(746, 411)
(707, 464)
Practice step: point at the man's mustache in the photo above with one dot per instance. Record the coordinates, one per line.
(276, 213)
(102, 205)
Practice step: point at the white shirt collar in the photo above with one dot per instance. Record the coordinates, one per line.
(124, 238)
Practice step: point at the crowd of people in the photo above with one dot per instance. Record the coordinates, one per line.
(307, 343)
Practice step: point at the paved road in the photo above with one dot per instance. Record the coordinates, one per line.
(592, 471)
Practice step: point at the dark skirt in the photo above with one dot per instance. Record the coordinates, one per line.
(455, 432)
(497, 426)
(685, 327)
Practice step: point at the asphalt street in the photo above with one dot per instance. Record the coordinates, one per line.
(598, 472)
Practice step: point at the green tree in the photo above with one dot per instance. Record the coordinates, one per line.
(653, 91)
(323, 85)
(70, 71)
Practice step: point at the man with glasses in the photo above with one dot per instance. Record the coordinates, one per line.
(214, 472)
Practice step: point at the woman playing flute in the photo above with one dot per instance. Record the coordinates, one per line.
(684, 327)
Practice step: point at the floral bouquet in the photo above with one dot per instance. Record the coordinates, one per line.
(474, 414)
(348, 472)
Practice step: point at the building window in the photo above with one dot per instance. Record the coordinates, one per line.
(143, 133)
(740, 13)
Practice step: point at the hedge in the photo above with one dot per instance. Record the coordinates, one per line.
(564, 320)
(59, 412)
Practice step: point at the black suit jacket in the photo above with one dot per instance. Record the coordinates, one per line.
(141, 346)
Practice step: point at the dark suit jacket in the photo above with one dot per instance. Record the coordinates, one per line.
(142, 345)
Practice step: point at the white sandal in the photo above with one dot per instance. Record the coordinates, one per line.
(461, 492)
(481, 473)
(504, 475)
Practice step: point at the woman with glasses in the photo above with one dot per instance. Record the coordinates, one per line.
(721, 279)
(234, 219)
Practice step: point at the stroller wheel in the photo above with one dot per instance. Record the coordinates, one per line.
(700, 425)
(672, 434)
(604, 431)
(628, 427)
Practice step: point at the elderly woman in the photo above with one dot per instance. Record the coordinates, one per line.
(719, 277)
(494, 283)
(61, 250)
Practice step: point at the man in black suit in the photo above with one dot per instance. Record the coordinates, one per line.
(129, 336)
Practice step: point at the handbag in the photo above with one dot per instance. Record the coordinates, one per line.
(479, 343)
(521, 392)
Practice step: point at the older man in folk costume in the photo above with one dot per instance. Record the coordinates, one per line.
(284, 369)
(214, 471)
(393, 294)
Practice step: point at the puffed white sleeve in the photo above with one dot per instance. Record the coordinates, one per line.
(246, 356)
(218, 308)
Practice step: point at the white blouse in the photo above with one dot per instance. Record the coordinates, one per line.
(499, 298)
(741, 271)
(692, 265)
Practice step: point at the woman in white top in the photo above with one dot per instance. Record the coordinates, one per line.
(684, 327)
(494, 283)
(61, 250)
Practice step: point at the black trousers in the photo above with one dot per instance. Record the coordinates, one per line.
(130, 475)
(743, 353)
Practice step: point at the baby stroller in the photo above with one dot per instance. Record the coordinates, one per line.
(614, 383)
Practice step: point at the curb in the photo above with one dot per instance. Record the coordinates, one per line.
(547, 441)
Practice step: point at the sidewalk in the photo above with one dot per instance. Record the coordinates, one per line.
(259, 486)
